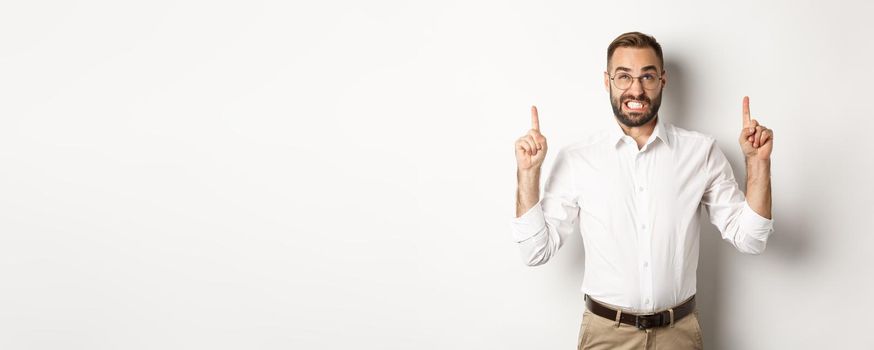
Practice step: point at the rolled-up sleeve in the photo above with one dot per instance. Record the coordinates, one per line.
(729, 211)
(542, 230)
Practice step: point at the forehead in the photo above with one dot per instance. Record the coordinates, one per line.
(634, 58)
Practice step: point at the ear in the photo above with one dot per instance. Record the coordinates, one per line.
(606, 82)
(664, 78)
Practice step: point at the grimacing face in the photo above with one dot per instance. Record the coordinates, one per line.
(635, 106)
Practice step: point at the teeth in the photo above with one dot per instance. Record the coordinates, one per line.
(632, 104)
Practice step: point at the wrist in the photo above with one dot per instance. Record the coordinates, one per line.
(753, 161)
(758, 169)
(530, 173)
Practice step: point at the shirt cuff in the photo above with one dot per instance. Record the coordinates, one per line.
(529, 224)
(758, 226)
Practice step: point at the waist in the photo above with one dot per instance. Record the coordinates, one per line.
(662, 305)
(660, 318)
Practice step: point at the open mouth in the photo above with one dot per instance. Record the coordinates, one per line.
(635, 106)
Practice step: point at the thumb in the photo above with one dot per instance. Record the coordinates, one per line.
(745, 135)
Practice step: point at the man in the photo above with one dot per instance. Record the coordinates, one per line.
(635, 191)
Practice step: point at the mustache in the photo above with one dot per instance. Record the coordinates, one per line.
(639, 98)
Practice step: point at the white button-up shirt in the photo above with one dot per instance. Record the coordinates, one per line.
(638, 214)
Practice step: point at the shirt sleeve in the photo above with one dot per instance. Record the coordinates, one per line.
(729, 211)
(542, 230)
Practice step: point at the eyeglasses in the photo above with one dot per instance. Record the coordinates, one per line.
(623, 81)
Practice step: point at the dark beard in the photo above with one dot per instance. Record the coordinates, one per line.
(626, 119)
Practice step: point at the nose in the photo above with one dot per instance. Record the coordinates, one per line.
(636, 87)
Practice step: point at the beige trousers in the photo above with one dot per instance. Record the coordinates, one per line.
(598, 333)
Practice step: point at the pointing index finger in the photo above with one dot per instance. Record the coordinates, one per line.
(535, 121)
(746, 111)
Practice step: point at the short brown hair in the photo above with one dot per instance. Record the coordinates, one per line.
(636, 40)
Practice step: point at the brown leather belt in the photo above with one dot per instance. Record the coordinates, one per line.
(642, 321)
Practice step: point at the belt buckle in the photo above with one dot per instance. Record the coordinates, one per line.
(648, 321)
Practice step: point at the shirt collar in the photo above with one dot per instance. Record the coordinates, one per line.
(659, 132)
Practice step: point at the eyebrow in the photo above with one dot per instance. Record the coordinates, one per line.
(647, 68)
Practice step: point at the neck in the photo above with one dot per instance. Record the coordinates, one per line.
(640, 133)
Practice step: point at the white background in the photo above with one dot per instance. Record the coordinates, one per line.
(275, 175)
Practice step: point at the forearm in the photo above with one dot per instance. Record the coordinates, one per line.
(759, 186)
(527, 190)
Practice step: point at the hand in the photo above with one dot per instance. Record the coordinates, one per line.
(756, 141)
(531, 148)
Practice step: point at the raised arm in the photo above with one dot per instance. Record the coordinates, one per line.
(756, 142)
(542, 224)
(530, 152)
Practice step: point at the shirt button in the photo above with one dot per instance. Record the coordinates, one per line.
(640, 189)
(645, 264)
(647, 301)
(643, 227)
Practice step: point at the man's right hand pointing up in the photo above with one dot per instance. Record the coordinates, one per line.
(531, 148)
